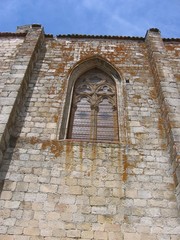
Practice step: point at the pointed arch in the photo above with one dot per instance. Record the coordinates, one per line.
(73, 99)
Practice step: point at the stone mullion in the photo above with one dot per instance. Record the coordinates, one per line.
(94, 112)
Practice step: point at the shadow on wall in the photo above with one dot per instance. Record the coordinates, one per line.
(15, 131)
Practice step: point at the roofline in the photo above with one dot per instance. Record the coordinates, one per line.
(171, 39)
(99, 37)
(10, 34)
(81, 36)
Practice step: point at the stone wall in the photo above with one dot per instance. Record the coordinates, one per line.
(173, 51)
(166, 83)
(17, 78)
(64, 189)
(8, 50)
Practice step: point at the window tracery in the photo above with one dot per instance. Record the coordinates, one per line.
(94, 108)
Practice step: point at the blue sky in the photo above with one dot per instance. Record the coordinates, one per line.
(98, 17)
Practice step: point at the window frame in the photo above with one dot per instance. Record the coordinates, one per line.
(80, 68)
(94, 87)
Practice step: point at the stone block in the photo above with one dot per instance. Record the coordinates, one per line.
(3, 230)
(21, 186)
(75, 190)
(6, 195)
(130, 236)
(31, 231)
(12, 204)
(9, 185)
(99, 210)
(87, 234)
(6, 237)
(73, 234)
(100, 235)
(97, 201)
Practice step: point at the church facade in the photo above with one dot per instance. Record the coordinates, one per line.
(89, 136)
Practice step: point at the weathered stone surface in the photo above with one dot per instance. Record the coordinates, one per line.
(62, 189)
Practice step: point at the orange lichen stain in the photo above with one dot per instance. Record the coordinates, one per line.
(134, 73)
(60, 69)
(162, 132)
(122, 48)
(52, 90)
(81, 147)
(46, 144)
(34, 140)
(160, 124)
(56, 147)
(92, 156)
(54, 44)
(115, 154)
(161, 127)
(136, 99)
(176, 182)
(153, 94)
(69, 155)
(62, 91)
(55, 117)
(177, 77)
(171, 186)
(125, 128)
(93, 151)
(170, 47)
(125, 165)
(140, 80)
(139, 136)
(137, 96)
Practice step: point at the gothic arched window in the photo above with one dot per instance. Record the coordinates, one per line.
(94, 108)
